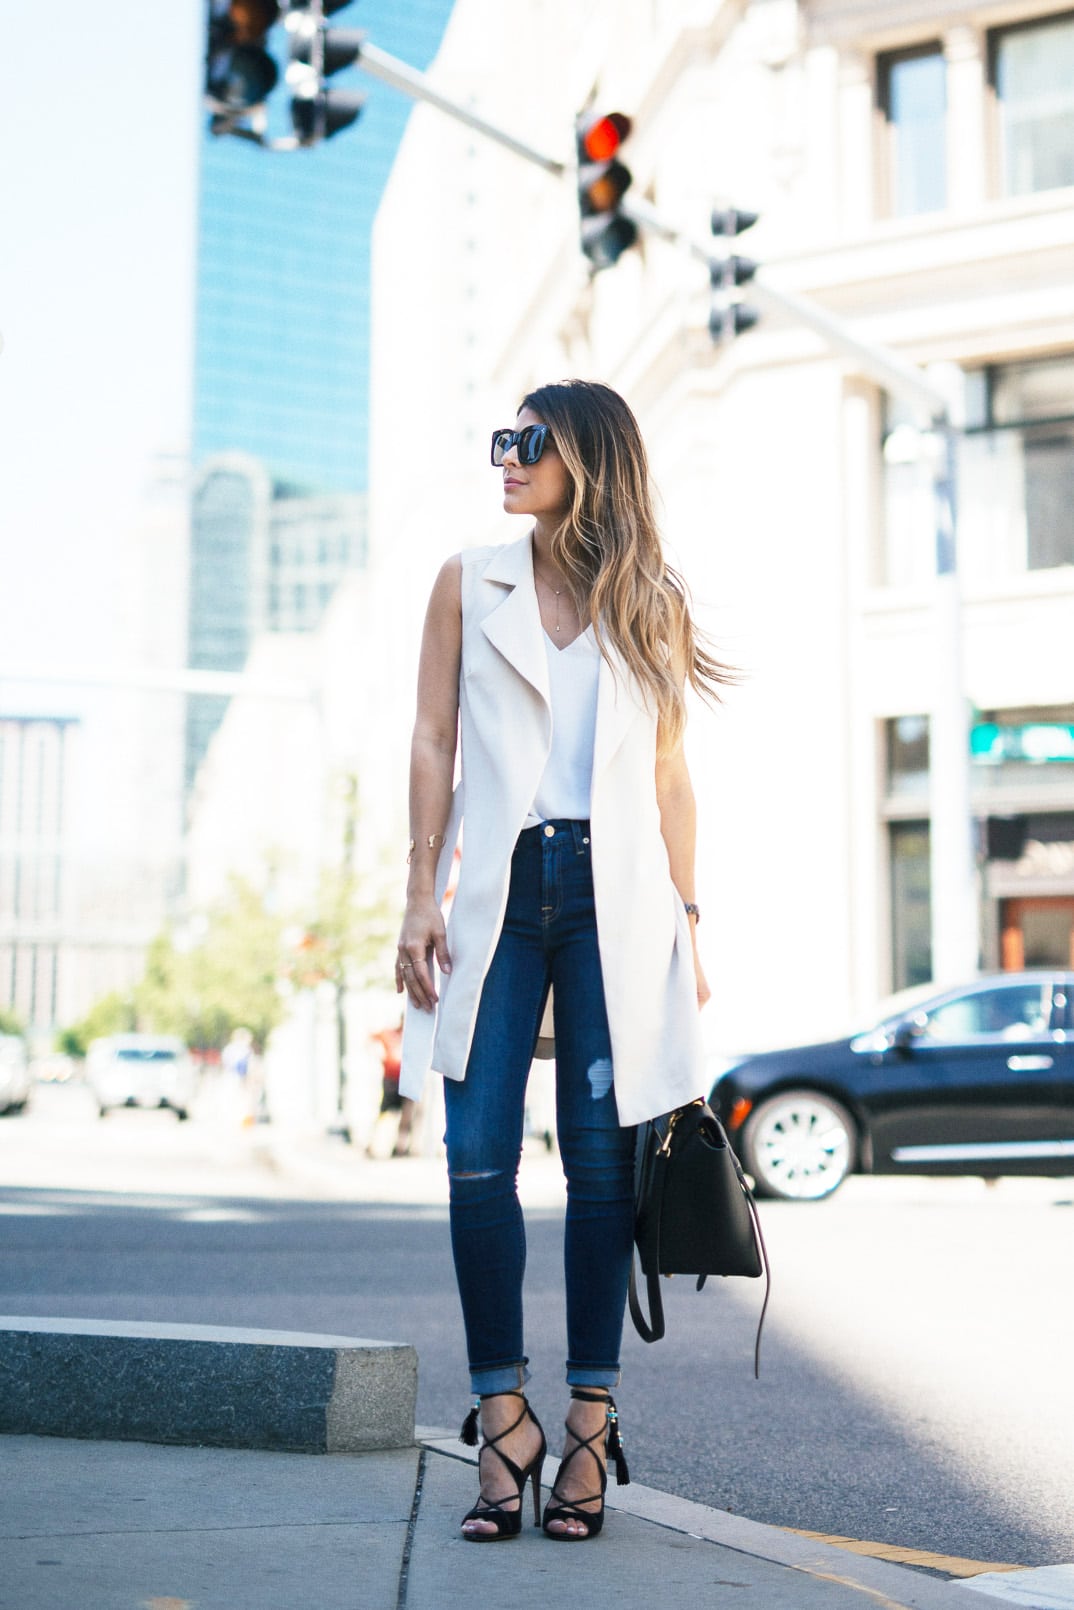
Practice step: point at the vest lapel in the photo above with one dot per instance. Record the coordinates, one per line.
(514, 630)
(514, 627)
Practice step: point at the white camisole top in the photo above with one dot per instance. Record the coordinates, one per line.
(566, 783)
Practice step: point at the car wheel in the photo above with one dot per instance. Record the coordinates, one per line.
(102, 1112)
(799, 1146)
(181, 1113)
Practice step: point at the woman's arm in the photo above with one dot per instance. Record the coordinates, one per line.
(432, 773)
(678, 824)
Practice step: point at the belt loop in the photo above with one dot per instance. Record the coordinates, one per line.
(580, 832)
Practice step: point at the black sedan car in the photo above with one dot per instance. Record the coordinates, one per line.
(975, 1080)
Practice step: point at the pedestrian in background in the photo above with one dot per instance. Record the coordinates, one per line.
(393, 1106)
(562, 660)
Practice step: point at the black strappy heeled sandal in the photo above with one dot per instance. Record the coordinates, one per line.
(508, 1522)
(563, 1510)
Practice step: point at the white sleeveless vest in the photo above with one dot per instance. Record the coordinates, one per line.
(642, 929)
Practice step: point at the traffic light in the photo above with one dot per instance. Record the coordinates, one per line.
(603, 181)
(317, 52)
(239, 72)
(729, 315)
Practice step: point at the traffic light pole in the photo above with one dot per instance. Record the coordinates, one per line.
(390, 70)
(935, 402)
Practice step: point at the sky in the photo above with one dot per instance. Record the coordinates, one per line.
(97, 199)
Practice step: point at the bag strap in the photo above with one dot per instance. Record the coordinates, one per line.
(651, 1329)
(765, 1265)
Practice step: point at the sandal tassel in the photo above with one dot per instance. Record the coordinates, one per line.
(468, 1434)
(615, 1447)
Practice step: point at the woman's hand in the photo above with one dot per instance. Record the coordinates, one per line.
(422, 936)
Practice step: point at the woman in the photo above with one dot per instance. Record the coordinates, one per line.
(561, 659)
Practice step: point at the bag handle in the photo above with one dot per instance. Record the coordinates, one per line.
(652, 1329)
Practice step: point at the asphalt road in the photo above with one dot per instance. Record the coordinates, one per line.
(915, 1384)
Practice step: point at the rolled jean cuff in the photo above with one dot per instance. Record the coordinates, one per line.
(594, 1375)
(487, 1380)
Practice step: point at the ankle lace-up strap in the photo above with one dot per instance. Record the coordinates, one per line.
(614, 1444)
(471, 1424)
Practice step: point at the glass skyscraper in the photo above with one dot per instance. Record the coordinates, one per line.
(281, 379)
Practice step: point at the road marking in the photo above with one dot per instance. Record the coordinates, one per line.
(951, 1564)
(848, 1582)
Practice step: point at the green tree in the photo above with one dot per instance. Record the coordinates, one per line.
(9, 1023)
(229, 980)
(112, 1014)
(162, 999)
(347, 935)
(235, 971)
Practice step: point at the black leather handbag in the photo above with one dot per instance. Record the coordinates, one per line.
(694, 1213)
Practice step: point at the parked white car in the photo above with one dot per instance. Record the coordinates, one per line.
(14, 1073)
(141, 1070)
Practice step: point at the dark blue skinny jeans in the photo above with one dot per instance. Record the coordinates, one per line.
(549, 937)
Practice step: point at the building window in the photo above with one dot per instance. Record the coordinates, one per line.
(1015, 479)
(1017, 470)
(911, 948)
(913, 99)
(1033, 79)
(908, 755)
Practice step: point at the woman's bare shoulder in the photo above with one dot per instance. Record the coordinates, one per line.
(451, 577)
(447, 588)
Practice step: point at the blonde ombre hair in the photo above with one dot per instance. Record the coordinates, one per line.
(609, 549)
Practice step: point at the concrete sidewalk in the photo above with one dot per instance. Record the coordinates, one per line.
(139, 1526)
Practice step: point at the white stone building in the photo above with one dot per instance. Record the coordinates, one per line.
(913, 167)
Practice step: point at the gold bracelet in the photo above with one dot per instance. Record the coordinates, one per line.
(430, 841)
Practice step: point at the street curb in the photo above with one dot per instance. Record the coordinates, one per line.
(897, 1587)
(205, 1386)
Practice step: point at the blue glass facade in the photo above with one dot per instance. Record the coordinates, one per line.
(281, 366)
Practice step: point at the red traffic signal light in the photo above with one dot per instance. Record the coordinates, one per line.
(601, 137)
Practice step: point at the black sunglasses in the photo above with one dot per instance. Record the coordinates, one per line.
(530, 443)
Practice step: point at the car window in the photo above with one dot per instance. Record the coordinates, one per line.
(1008, 1012)
(146, 1054)
(1063, 1001)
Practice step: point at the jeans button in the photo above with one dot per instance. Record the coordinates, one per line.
(549, 831)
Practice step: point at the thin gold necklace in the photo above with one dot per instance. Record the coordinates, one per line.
(557, 591)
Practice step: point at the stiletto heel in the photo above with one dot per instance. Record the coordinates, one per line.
(507, 1522)
(564, 1509)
